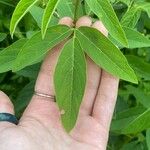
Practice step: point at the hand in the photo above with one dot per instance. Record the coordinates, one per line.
(40, 128)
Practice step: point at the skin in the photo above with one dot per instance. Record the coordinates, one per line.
(40, 128)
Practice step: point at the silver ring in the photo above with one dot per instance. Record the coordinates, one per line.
(45, 95)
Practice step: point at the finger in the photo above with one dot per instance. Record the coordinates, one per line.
(44, 109)
(106, 97)
(100, 26)
(106, 100)
(107, 93)
(66, 21)
(93, 76)
(6, 106)
(84, 21)
(93, 79)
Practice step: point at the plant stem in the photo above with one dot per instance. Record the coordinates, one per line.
(76, 10)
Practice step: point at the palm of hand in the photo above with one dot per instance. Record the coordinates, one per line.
(33, 135)
(40, 126)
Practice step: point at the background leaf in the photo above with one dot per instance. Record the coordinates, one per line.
(142, 96)
(49, 10)
(132, 124)
(139, 124)
(141, 67)
(70, 79)
(65, 8)
(10, 53)
(37, 14)
(2, 36)
(6, 2)
(131, 17)
(21, 9)
(105, 12)
(136, 39)
(104, 53)
(145, 6)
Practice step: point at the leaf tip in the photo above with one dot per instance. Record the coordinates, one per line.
(12, 35)
(43, 33)
(134, 78)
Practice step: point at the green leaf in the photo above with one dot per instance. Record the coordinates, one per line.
(123, 118)
(135, 145)
(70, 80)
(131, 17)
(141, 67)
(8, 3)
(127, 2)
(105, 54)
(105, 12)
(138, 124)
(148, 138)
(128, 117)
(65, 8)
(49, 10)
(136, 39)
(36, 48)
(140, 95)
(37, 14)
(21, 9)
(118, 125)
(30, 71)
(2, 36)
(130, 112)
(9, 54)
(145, 6)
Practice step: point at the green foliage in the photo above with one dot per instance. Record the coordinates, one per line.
(141, 67)
(133, 123)
(136, 39)
(2, 36)
(65, 8)
(9, 55)
(131, 17)
(105, 12)
(49, 10)
(128, 23)
(21, 9)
